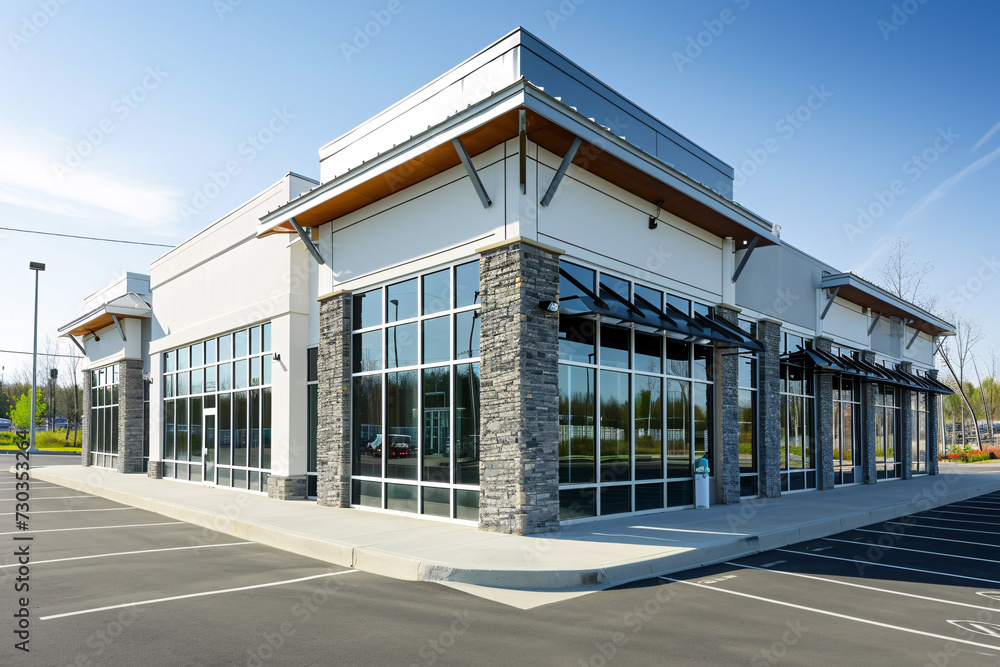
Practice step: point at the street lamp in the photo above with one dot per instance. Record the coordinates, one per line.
(36, 267)
(53, 376)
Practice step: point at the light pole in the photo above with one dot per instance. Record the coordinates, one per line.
(36, 267)
(53, 376)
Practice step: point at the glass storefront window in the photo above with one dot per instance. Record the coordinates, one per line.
(202, 380)
(416, 421)
(635, 408)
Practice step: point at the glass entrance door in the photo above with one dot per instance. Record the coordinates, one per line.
(209, 448)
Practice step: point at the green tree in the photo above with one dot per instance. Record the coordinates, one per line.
(21, 415)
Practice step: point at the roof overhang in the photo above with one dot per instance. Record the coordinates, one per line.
(551, 125)
(861, 292)
(128, 306)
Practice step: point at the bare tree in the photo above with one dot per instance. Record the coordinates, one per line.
(903, 276)
(967, 335)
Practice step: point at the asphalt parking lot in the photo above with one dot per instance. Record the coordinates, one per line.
(113, 585)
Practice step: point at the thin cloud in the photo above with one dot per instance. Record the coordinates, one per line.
(985, 138)
(942, 189)
(878, 249)
(28, 180)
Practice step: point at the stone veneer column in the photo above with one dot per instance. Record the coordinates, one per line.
(519, 395)
(88, 379)
(868, 475)
(287, 488)
(824, 421)
(333, 427)
(932, 427)
(130, 410)
(906, 427)
(727, 460)
(769, 408)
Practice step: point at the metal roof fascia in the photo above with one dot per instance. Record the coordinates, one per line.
(851, 280)
(574, 122)
(459, 124)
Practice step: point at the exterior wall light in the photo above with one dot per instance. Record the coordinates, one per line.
(551, 306)
(653, 218)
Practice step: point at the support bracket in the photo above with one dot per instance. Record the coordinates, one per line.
(118, 324)
(463, 155)
(567, 159)
(916, 332)
(746, 258)
(77, 343)
(310, 246)
(829, 302)
(871, 327)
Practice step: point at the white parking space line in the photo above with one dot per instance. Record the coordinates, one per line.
(962, 514)
(129, 553)
(34, 498)
(63, 530)
(917, 551)
(99, 509)
(940, 518)
(856, 619)
(894, 567)
(957, 530)
(925, 537)
(867, 588)
(975, 507)
(192, 595)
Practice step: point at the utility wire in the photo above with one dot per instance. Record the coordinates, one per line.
(85, 238)
(42, 354)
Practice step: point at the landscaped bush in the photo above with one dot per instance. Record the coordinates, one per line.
(55, 439)
(968, 454)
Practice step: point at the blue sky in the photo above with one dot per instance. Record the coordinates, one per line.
(117, 114)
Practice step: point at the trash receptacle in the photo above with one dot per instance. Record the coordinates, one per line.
(701, 473)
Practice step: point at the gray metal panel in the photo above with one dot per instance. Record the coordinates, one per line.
(595, 100)
(780, 283)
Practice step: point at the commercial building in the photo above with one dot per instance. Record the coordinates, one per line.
(516, 299)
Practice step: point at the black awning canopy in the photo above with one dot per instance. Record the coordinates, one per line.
(863, 370)
(615, 309)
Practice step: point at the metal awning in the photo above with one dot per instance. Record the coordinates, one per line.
(863, 370)
(644, 316)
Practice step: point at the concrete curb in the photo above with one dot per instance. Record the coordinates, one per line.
(410, 568)
(709, 555)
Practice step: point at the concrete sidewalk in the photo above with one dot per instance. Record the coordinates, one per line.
(590, 555)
